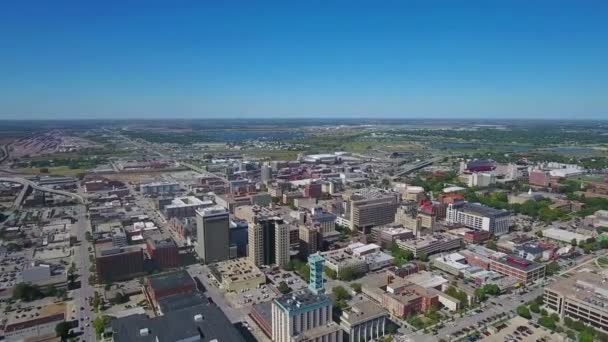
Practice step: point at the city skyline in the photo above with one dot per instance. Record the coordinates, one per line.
(115, 60)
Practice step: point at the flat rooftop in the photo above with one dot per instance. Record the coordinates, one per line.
(428, 240)
(237, 269)
(15, 319)
(362, 312)
(188, 201)
(482, 210)
(584, 286)
(519, 263)
(165, 281)
(297, 300)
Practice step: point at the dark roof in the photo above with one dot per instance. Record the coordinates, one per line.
(304, 298)
(177, 325)
(166, 281)
(180, 301)
(264, 310)
(482, 210)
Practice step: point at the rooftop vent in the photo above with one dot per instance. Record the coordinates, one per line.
(198, 318)
(144, 332)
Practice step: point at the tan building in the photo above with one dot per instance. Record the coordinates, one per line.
(582, 296)
(372, 207)
(281, 245)
(364, 321)
(309, 239)
(237, 274)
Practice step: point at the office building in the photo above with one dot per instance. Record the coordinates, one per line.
(315, 283)
(164, 285)
(238, 236)
(282, 243)
(184, 206)
(387, 235)
(364, 321)
(159, 188)
(325, 220)
(119, 237)
(304, 316)
(118, 263)
(164, 253)
(372, 207)
(266, 173)
(238, 274)
(312, 190)
(582, 297)
(310, 239)
(540, 178)
(213, 235)
(479, 217)
(523, 270)
(431, 244)
(262, 229)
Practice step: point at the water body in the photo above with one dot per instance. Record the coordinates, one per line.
(572, 150)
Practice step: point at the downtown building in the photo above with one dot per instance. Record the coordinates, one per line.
(306, 316)
(372, 207)
(582, 297)
(479, 217)
(213, 234)
(268, 235)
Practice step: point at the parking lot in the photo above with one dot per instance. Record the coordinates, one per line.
(248, 297)
(289, 277)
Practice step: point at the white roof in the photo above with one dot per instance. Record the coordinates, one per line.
(453, 189)
(563, 235)
(427, 279)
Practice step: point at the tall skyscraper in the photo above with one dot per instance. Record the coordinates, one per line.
(213, 234)
(281, 244)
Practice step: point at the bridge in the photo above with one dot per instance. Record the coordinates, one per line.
(29, 184)
(416, 166)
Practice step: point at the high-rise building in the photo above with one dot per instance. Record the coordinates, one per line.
(118, 263)
(281, 245)
(266, 173)
(372, 207)
(262, 234)
(306, 315)
(316, 263)
(213, 234)
(164, 253)
(309, 240)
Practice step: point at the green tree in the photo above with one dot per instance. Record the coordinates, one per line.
(340, 293)
(552, 268)
(27, 292)
(62, 330)
(573, 242)
(523, 311)
(480, 294)
(423, 256)
(96, 301)
(535, 308)
(356, 287)
(547, 322)
(283, 287)
(100, 323)
(331, 274)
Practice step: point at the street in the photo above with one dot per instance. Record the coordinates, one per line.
(81, 260)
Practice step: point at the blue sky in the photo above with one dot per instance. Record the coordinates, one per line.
(348, 58)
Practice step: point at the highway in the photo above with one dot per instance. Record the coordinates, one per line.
(28, 183)
(416, 166)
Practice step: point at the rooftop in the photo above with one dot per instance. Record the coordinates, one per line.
(187, 202)
(165, 281)
(517, 262)
(586, 287)
(362, 312)
(205, 322)
(302, 299)
(236, 269)
(482, 210)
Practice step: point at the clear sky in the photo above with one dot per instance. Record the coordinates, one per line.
(348, 58)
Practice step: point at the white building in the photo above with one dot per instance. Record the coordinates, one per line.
(479, 217)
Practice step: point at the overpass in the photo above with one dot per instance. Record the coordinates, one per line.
(415, 166)
(203, 171)
(29, 184)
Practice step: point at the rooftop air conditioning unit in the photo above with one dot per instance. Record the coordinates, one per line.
(144, 332)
